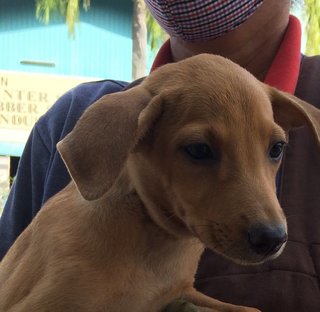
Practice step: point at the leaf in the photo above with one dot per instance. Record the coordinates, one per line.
(67, 8)
(72, 15)
(156, 35)
(312, 14)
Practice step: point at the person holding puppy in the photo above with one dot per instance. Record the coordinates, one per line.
(262, 37)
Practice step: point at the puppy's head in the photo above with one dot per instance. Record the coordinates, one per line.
(201, 141)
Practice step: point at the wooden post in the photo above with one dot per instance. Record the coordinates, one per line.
(139, 39)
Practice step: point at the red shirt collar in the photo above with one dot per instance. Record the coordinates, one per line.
(284, 70)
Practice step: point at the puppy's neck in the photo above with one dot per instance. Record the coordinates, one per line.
(156, 206)
(165, 219)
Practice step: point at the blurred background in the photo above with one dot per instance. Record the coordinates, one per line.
(49, 46)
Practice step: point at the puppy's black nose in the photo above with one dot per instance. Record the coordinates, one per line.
(266, 239)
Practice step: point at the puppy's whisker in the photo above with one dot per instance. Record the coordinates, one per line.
(203, 225)
(171, 216)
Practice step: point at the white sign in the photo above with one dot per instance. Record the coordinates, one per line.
(24, 97)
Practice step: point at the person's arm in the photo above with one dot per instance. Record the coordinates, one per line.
(27, 193)
(41, 172)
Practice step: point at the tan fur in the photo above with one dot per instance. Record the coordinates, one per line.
(127, 233)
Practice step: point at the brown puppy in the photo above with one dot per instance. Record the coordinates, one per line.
(185, 160)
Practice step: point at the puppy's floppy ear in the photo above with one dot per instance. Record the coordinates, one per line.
(291, 112)
(96, 149)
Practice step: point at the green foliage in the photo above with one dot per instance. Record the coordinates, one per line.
(312, 14)
(67, 8)
(70, 10)
(156, 35)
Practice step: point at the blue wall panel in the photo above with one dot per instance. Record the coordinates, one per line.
(102, 46)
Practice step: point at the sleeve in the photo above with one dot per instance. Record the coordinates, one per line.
(25, 196)
(41, 172)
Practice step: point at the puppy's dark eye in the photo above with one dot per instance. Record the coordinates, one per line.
(199, 151)
(276, 150)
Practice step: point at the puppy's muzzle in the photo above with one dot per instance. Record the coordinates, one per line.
(267, 240)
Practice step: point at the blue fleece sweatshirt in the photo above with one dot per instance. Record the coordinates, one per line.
(41, 172)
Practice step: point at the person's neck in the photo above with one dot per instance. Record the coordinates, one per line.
(253, 45)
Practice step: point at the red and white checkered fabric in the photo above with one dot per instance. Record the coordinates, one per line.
(194, 20)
